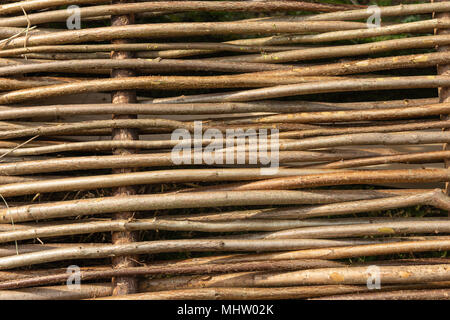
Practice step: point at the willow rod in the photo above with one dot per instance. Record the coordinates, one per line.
(8, 113)
(394, 199)
(444, 92)
(335, 69)
(242, 293)
(43, 4)
(31, 144)
(101, 145)
(154, 224)
(353, 115)
(25, 186)
(330, 131)
(313, 236)
(149, 247)
(161, 6)
(150, 160)
(95, 124)
(410, 27)
(176, 221)
(303, 54)
(435, 294)
(16, 61)
(418, 157)
(419, 26)
(19, 275)
(97, 291)
(14, 126)
(419, 274)
(7, 180)
(240, 258)
(332, 209)
(385, 11)
(429, 287)
(165, 54)
(87, 291)
(354, 85)
(151, 65)
(163, 30)
(368, 136)
(51, 57)
(344, 178)
(373, 138)
(20, 279)
(95, 48)
(369, 65)
(348, 252)
(9, 250)
(105, 145)
(175, 267)
(312, 105)
(355, 230)
(29, 5)
(174, 201)
(170, 269)
(10, 33)
(179, 83)
(253, 279)
(331, 36)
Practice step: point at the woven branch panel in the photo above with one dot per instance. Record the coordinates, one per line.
(224, 149)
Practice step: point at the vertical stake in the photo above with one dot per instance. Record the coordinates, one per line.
(123, 285)
(444, 70)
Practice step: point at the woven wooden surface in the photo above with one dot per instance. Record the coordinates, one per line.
(224, 150)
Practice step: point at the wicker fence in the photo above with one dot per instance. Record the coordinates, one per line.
(282, 149)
